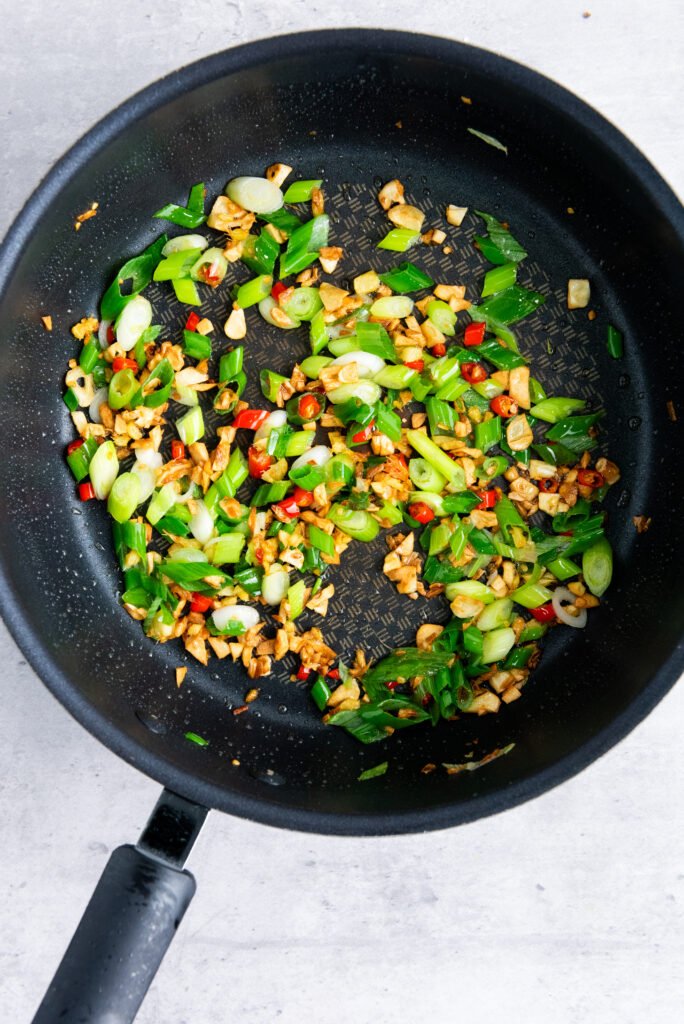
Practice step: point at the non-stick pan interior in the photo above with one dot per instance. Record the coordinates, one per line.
(356, 109)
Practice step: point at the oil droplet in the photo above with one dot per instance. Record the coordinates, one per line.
(624, 381)
(634, 422)
(623, 500)
(282, 709)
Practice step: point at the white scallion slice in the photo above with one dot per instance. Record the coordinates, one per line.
(365, 390)
(319, 455)
(275, 584)
(277, 418)
(134, 318)
(255, 194)
(101, 395)
(242, 613)
(104, 469)
(392, 307)
(182, 242)
(367, 363)
(202, 523)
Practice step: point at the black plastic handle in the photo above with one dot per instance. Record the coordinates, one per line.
(128, 925)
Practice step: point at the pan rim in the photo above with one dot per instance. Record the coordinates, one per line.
(202, 72)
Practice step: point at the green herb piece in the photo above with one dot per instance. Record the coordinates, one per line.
(373, 773)
(489, 139)
(405, 278)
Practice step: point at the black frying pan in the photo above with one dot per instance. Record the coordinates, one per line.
(327, 103)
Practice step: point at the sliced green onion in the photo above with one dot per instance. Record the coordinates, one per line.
(394, 377)
(320, 692)
(304, 304)
(366, 391)
(186, 291)
(438, 459)
(298, 443)
(407, 277)
(487, 434)
(614, 342)
(508, 306)
(260, 253)
(340, 469)
(160, 503)
(442, 316)
(439, 538)
(177, 265)
(553, 409)
(499, 278)
(104, 469)
(189, 216)
(122, 387)
(258, 195)
(355, 523)
(312, 366)
(252, 292)
(301, 191)
(388, 422)
(373, 773)
(489, 139)
(318, 332)
(210, 268)
(295, 599)
(231, 364)
(90, 354)
(573, 433)
(269, 494)
(470, 588)
(532, 631)
(321, 540)
(537, 393)
(442, 417)
(79, 460)
(226, 548)
(197, 346)
(232, 478)
(531, 595)
(391, 307)
(399, 239)
(495, 615)
(180, 242)
(508, 249)
(374, 338)
(190, 427)
(496, 644)
(502, 358)
(134, 275)
(563, 568)
(431, 498)
(124, 497)
(597, 567)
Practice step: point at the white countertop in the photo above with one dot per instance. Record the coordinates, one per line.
(566, 910)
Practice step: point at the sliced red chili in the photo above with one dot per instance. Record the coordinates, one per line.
(111, 337)
(473, 372)
(74, 445)
(590, 478)
(439, 349)
(489, 500)
(122, 363)
(504, 406)
(200, 603)
(86, 491)
(416, 364)
(392, 684)
(363, 435)
(250, 419)
(177, 450)
(548, 486)
(544, 613)
(259, 555)
(192, 321)
(474, 334)
(308, 407)
(303, 673)
(258, 461)
(286, 509)
(334, 673)
(277, 290)
(421, 512)
(302, 498)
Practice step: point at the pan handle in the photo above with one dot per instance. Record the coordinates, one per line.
(129, 923)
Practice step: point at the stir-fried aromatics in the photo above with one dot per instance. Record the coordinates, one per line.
(415, 409)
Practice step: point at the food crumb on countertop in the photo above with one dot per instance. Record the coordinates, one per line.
(671, 411)
(47, 322)
(181, 673)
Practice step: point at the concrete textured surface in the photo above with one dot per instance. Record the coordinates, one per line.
(568, 909)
